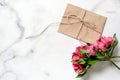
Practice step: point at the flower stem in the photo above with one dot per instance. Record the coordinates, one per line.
(115, 57)
(112, 51)
(114, 64)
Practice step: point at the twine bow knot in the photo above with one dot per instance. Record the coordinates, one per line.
(73, 19)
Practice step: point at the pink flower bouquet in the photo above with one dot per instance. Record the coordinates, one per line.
(87, 55)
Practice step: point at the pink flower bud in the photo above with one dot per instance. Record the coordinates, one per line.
(77, 56)
(77, 67)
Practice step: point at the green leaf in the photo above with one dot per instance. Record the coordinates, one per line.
(113, 45)
(99, 54)
(116, 40)
(82, 61)
(81, 74)
(92, 61)
(109, 49)
(87, 67)
(84, 51)
(73, 61)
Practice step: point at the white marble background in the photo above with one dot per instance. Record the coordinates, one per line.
(47, 56)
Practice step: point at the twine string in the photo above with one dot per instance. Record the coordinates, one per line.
(79, 20)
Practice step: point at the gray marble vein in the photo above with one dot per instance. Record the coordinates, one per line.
(17, 22)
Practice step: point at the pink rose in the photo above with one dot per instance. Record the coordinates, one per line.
(77, 56)
(107, 40)
(101, 46)
(104, 42)
(77, 67)
(92, 49)
(110, 40)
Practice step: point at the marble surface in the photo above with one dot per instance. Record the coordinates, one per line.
(46, 55)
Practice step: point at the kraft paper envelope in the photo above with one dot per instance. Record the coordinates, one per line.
(82, 24)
